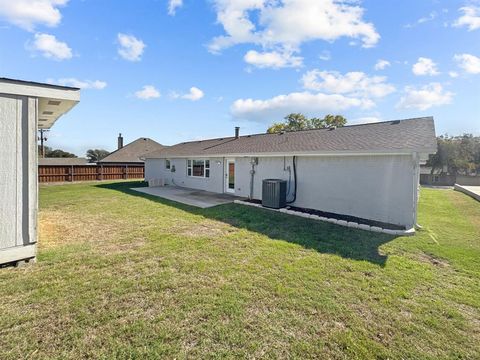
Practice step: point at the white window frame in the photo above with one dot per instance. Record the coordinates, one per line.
(169, 162)
(205, 168)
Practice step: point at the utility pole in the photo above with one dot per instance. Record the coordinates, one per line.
(42, 139)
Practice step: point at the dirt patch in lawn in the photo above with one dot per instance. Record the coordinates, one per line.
(428, 258)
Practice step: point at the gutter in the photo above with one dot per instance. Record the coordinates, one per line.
(282, 154)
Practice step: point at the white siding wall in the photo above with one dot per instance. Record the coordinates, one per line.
(155, 169)
(8, 171)
(372, 187)
(18, 177)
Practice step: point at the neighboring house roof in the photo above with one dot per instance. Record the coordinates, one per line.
(62, 161)
(132, 153)
(382, 137)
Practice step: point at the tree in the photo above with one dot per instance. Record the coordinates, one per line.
(458, 154)
(330, 121)
(57, 153)
(95, 155)
(296, 121)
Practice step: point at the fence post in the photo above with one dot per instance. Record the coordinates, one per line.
(71, 173)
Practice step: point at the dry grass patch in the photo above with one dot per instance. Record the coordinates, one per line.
(105, 232)
(205, 228)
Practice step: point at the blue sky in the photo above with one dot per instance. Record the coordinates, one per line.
(184, 70)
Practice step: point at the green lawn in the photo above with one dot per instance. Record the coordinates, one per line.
(124, 275)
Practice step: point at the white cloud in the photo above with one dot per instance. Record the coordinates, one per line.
(470, 18)
(173, 5)
(274, 59)
(432, 16)
(148, 92)
(50, 47)
(469, 63)
(382, 64)
(353, 83)
(425, 97)
(83, 84)
(325, 91)
(194, 94)
(453, 74)
(289, 23)
(131, 48)
(306, 102)
(425, 66)
(27, 13)
(325, 55)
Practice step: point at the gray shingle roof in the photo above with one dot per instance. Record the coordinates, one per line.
(389, 136)
(62, 161)
(133, 151)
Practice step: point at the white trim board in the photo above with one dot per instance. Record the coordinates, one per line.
(37, 90)
(17, 253)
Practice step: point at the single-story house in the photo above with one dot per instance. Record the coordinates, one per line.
(25, 107)
(369, 171)
(132, 153)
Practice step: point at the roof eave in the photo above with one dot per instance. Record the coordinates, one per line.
(300, 153)
(65, 98)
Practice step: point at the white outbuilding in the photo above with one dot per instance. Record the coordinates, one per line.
(25, 107)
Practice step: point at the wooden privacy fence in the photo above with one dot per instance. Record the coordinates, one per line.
(67, 173)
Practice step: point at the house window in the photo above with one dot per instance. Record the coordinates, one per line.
(198, 168)
(167, 164)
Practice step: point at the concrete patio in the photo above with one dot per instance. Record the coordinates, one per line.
(192, 197)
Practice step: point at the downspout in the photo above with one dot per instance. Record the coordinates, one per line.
(415, 189)
(224, 177)
(289, 169)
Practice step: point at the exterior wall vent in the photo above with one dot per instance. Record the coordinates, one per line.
(274, 193)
